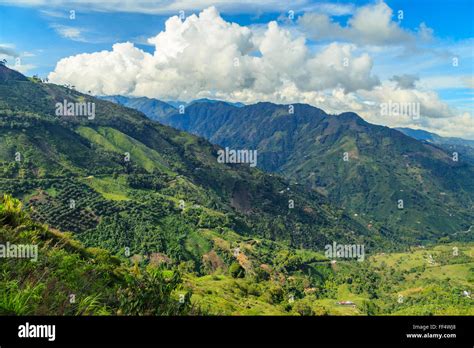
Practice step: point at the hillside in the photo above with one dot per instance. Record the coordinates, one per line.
(62, 277)
(131, 185)
(66, 278)
(365, 168)
(136, 218)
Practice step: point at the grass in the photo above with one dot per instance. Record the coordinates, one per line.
(108, 187)
(435, 290)
(224, 295)
(457, 273)
(115, 141)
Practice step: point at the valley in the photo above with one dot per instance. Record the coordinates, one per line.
(134, 217)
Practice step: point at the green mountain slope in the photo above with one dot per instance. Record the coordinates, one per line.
(62, 277)
(180, 233)
(126, 183)
(65, 278)
(378, 173)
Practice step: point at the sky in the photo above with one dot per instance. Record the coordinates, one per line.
(360, 56)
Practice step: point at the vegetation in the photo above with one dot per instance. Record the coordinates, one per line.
(135, 218)
(361, 167)
(69, 279)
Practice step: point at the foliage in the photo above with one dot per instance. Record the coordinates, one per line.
(236, 270)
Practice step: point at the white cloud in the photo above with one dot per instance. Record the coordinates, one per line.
(55, 13)
(204, 54)
(67, 32)
(23, 68)
(447, 81)
(7, 50)
(370, 25)
(430, 104)
(405, 81)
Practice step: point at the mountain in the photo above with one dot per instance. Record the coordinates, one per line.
(123, 182)
(10, 75)
(132, 217)
(178, 103)
(420, 134)
(212, 101)
(154, 109)
(464, 147)
(379, 174)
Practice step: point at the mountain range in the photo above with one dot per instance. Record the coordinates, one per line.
(120, 180)
(131, 216)
(413, 183)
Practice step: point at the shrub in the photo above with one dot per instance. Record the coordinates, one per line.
(10, 211)
(303, 308)
(236, 270)
(150, 294)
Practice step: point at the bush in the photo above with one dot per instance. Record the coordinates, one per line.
(303, 308)
(150, 294)
(236, 270)
(10, 211)
(275, 294)
(261, 275)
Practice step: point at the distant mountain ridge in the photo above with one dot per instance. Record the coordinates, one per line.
(157, 109)
(421, 134)
(383, 166)
(464, 147)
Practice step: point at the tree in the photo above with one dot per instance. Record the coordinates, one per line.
(370, 308)
(303, 309)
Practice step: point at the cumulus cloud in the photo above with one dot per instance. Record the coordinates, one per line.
(370, 25)
(431, 106)
(204, 54)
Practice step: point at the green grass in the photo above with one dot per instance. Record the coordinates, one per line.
(115, 141)
(222, 294)
(108, 187)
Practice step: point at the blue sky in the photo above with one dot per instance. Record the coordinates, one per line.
(30, 28)
(35, 36)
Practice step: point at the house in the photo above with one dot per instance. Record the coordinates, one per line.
(346, 303)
